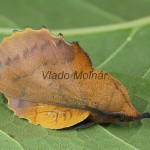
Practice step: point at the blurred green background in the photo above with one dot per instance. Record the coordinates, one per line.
(57, 14)
(116, 35)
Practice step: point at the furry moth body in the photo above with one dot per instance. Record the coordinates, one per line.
(58, 103)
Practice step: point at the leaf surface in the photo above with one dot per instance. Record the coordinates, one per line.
(114, 41)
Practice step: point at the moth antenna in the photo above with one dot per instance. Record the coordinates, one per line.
(142, 116)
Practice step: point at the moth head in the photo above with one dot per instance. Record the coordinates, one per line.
(125, 118)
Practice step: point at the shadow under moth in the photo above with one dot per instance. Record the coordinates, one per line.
(51, 82)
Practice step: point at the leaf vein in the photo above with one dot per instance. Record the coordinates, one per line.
(128, 39)
(146, 73)
(120, 139)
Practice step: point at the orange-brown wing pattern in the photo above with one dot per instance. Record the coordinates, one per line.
(26, 60)
(26, 55)
(48, 116)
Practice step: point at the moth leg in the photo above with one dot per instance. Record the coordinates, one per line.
(84, 125)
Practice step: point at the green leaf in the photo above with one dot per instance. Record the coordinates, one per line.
(126, 10)
(114, 41)
(7, 143)
(54, 14)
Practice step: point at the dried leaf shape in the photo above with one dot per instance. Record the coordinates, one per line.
(25, 60)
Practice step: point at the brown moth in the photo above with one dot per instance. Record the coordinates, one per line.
(51, 82)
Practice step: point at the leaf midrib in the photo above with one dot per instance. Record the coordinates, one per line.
(96, 29)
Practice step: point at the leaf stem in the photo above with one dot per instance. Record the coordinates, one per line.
(97, 29)
(106, 28)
